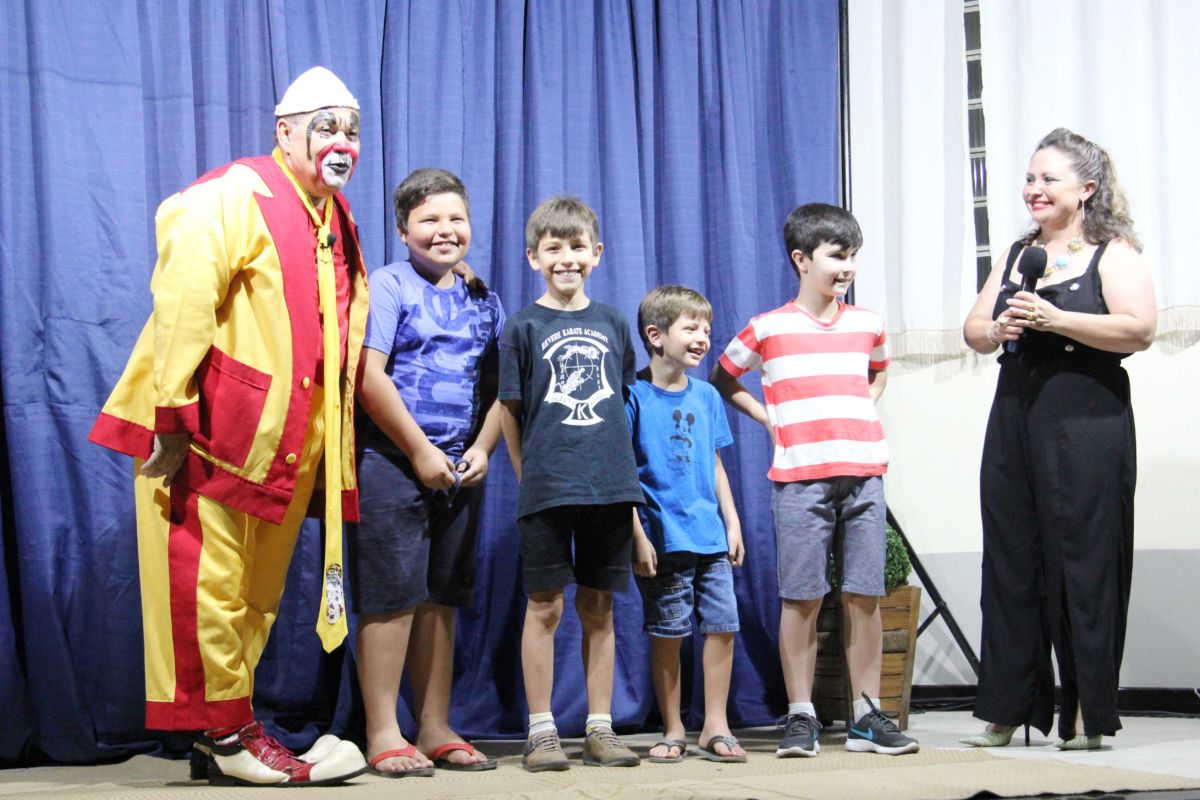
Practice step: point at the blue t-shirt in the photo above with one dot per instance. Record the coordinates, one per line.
(675, 439)
(442, 347)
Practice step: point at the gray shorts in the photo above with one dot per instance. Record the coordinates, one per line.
(807, 516)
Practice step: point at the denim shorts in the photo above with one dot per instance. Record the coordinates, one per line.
(687, 581)
(808, 514)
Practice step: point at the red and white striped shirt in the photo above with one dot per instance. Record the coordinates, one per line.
(816, 390)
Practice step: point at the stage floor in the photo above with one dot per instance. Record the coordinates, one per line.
(1157, 746)
(1161, 745)
(1170, 745)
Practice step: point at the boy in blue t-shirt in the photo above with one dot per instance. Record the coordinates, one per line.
(428, 385)
(683, 553)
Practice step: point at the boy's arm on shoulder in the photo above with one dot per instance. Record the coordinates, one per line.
(733, 524)
(510, 424)
(877, 380)
(475, 284)
(734, 393)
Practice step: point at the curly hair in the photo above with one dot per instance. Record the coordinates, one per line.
(1106, 212)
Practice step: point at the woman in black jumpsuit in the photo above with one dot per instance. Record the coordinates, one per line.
(1058, 472)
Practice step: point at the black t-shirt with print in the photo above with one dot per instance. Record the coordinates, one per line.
(569, 369)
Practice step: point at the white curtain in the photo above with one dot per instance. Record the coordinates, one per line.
(1124, 74)
(910, 178)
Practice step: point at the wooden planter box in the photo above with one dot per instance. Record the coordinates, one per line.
(832, 695)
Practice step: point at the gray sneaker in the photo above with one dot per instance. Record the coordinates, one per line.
(799, 736)
(875, 733)
(544, 751)
(602, 748)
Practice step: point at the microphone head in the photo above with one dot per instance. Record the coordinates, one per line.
(1032, 263)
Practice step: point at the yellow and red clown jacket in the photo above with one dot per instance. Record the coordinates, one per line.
(237, 318)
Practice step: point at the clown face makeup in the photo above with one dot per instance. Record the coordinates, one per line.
(336, 159)
(321, 149)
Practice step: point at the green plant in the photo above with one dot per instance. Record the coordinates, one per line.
(896, 566)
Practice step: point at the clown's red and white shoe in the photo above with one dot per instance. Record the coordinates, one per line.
(251, 758)
(330, 745)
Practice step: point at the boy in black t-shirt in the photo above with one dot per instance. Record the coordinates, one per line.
(564, 363)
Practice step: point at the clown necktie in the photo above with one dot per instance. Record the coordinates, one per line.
(331, 622)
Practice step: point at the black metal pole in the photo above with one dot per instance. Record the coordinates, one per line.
(939, 605)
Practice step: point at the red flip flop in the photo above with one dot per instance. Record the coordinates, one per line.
(400, 752)
(438, 757)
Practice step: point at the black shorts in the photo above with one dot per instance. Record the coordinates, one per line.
(603, 540)
(412, 545)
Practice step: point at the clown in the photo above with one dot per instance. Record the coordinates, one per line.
(239, 389)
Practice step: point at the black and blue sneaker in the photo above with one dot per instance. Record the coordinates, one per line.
(799, 736)
(875, 733)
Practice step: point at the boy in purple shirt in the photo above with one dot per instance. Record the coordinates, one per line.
(429, 381)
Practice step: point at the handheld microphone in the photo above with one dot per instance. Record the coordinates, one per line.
(1031, 266)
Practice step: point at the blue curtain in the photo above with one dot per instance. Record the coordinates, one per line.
(691, 127)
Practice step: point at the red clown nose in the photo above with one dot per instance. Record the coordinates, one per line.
(338, 147)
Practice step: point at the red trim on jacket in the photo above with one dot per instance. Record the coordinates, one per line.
(316, 506)
(295, 242)
(122, 435)
(294, 239)
(268, 503)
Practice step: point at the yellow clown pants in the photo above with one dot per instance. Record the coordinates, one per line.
(211, 580)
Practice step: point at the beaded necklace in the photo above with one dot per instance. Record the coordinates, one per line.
(1063, 259)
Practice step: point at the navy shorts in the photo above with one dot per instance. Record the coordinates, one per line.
(600, 559)
(412, 544)
(808, 513)
(685, 582)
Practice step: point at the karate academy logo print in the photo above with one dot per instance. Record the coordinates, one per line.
(577, 380)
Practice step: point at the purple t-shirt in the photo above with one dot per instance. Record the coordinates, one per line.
(442, 354)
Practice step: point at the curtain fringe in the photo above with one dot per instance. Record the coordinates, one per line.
(1178, 329)
(928, 347)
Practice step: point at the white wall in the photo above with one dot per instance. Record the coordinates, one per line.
(935, 417)
(1123, 74)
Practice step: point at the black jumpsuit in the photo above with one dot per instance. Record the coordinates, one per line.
(1056, 490)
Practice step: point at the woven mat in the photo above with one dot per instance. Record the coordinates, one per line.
(931, 774)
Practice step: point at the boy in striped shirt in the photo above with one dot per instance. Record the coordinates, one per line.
(823, 368)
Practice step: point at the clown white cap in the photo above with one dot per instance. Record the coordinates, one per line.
(316, 88)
